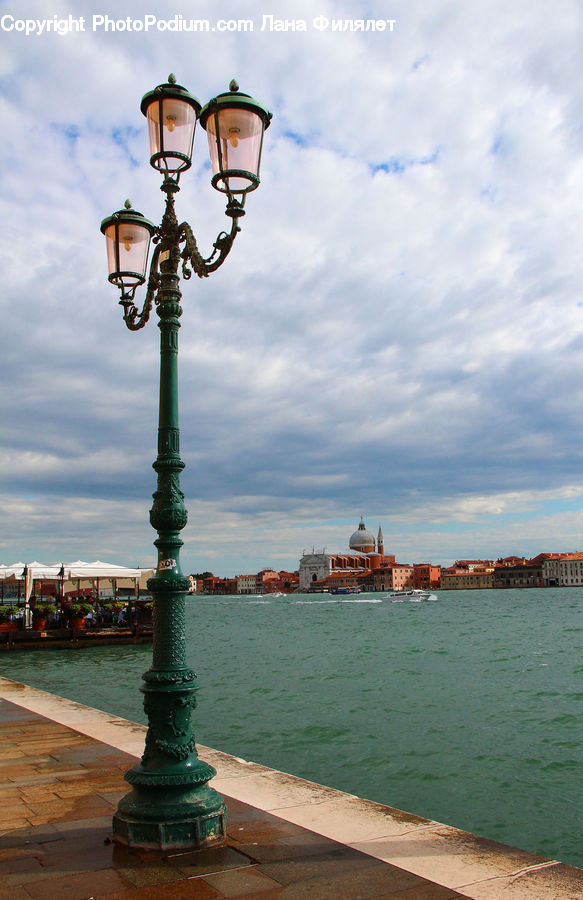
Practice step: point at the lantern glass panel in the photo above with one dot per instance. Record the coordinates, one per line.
(127, 252)
(174, 135)
(240, 133)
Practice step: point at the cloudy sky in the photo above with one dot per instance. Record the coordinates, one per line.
(397, 332)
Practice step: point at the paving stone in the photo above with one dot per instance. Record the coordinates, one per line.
(379, 881)
(11, 854)
(333, 865)
(14, 892)
(300, 846)
(42, 776)
(8, 791)
(81, 855)
(14, 822)
(190, 889)
(257, 829)
(142, 874)
(11, 770)
(102, 823)
(242, 882)
(38, 792)
(14, 808)
(16, 863)
(77, 886)
(11, 754)
(22, 837)
(53, 813)
(204, 862)
(427, 892)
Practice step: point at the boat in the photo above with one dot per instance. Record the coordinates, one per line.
(410, 596)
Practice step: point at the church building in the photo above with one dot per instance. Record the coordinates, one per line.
(354, 567)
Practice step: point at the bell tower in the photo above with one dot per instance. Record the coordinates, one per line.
(380, 542)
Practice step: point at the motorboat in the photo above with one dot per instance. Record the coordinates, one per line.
(409, 596)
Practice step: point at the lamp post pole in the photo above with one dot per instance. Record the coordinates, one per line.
(170, 804)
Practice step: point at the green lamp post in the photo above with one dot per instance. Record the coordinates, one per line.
(170, 804)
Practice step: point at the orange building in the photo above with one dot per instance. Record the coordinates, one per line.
(426, 577)
(393, 577)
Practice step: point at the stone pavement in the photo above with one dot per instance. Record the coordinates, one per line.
(59, 789)
(61, 768)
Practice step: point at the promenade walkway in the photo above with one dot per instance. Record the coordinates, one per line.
(61, 776)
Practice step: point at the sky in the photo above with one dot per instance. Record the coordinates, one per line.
(397, 332)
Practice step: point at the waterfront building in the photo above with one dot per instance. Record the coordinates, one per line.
(267, 581)
(393, 577)
(563, 570)
(470, 565)
(215, 586)
(247, 584)
(519, 572)
(314, 567)
(352, 568)
(510, 561)
(455, 579)
(426, 577)
(264, 582)
(287, 582)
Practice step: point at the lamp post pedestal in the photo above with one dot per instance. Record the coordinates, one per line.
(170, 804)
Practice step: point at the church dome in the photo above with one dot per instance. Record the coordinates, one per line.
(362, 540)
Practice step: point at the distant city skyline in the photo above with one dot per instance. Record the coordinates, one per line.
(398, 332)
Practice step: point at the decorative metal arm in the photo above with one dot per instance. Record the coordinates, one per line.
(131, 317)
(170, 235)
(192, 260)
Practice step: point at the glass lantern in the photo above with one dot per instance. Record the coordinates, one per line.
(235, 123)
(171, 112)
(127, 236)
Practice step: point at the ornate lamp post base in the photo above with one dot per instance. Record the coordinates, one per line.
(170, 806)
(170, 818)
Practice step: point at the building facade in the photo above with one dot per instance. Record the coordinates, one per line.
(464, 580)
(426, 577)
(563, 570)
(393, 577)
(247, 584)
(353, 568)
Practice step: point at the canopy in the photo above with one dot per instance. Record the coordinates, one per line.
(66, 571)
(38, 571)
(15, 569)
(99, 569)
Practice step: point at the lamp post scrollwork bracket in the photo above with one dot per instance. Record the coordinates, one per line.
(131, 317)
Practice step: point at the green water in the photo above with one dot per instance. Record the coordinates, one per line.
(468, 710)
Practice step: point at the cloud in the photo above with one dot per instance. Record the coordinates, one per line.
(397, 330)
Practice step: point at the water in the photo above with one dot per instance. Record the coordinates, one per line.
(468, 710)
